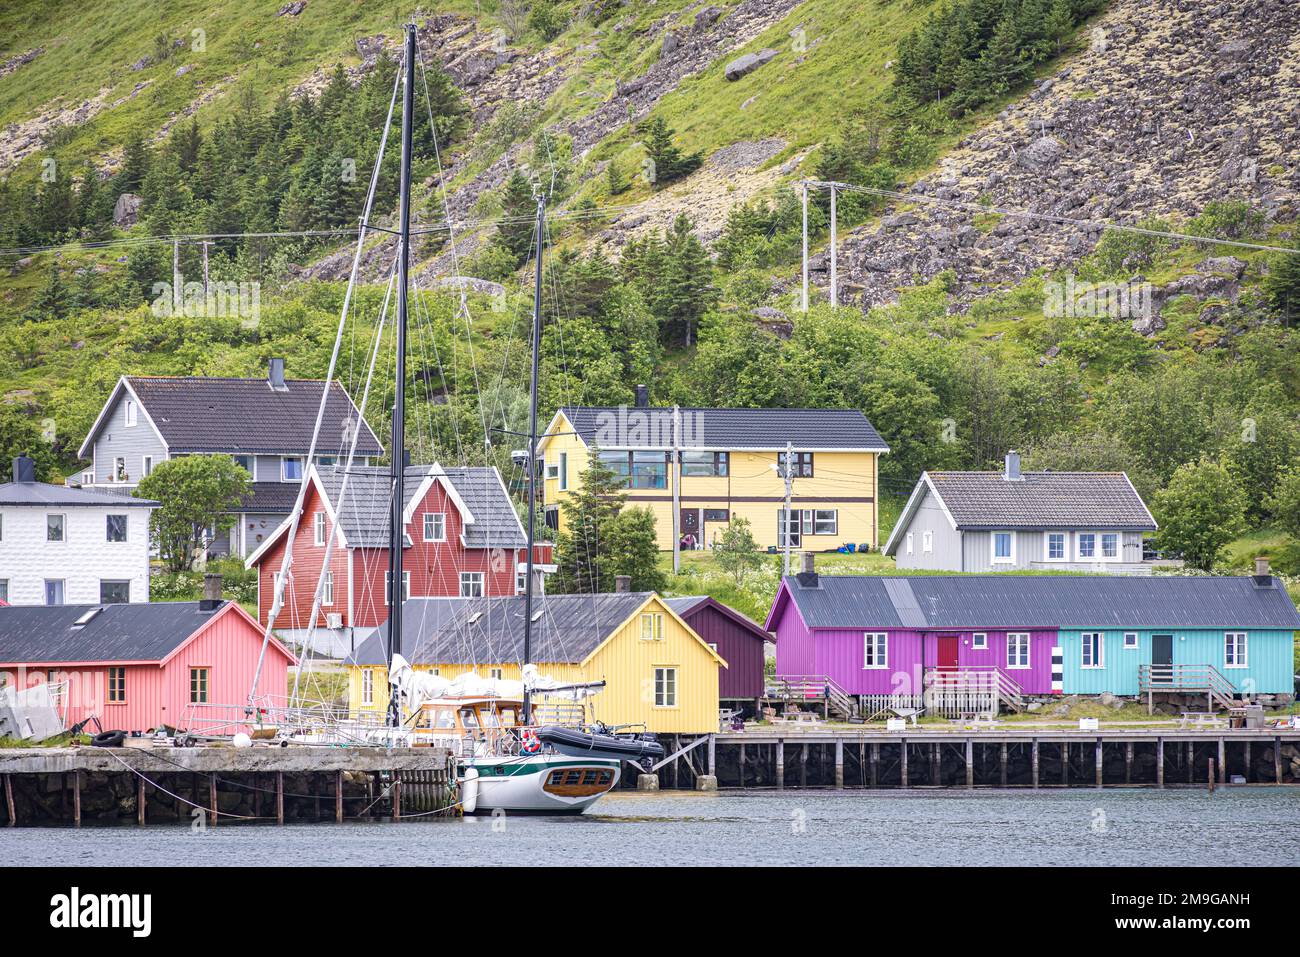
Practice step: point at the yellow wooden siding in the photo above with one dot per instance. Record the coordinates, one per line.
(625, 663)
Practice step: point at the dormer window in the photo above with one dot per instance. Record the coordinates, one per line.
(291, 468)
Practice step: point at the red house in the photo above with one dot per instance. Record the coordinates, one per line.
(141, 665)
(737, 640)
(463, 538)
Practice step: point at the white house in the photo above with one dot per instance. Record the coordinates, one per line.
(71, 546)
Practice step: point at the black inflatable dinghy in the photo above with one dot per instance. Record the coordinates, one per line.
(584, 744)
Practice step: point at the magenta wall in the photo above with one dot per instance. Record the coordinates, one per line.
(794, 643)
(739, 647)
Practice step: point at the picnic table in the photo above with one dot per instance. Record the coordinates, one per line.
(1201, 719)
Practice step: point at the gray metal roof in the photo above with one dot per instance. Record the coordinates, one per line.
(365, 512)
(43, 494)
(986, 500)
(1042, 601)
(767, 429)
(681, 606)
(246, 416)
(141, 631)
(487, 631)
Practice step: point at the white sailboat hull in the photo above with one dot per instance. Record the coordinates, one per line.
(536, 784)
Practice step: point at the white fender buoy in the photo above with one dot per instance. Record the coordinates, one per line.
(242, 740)
(469, 791)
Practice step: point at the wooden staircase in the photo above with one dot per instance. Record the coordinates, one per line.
(1187, 679)
(804, 690)
(955, 690)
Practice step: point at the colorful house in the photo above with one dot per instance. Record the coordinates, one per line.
(739, 641)
(697, 468)
(1022, 636)
(658, 671)
(463, 539)
(140, 666)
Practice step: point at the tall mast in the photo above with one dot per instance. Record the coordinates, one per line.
(532, 454)
(397, 445)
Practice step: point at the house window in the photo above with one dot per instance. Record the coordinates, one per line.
(979, 641)
(665, 687)
(1087, 545)
(291, 469)
(130, 413)
(435, 526)
(55, 528)
(327, 461)
(649, 470)
(875, 649)
(4, 589)
(1004, 547)
(717, 515)
(826, 521)
(1018, 649)
(564, 471)
(652, 626)
(801, 464)
(496, 674)
(911, 543)
(119, 469)
(246, 462)
(327, 597)
(54, 591)
(114, 592)
(367, 686)
(471, 584)
(146, 465)
(115, 530)
(551, 470)
(521, 582)
(551, 517)
(1234, 649)
(1094, 649)
(198, 686)
(1110, 545)
(388, 584)
(116, 685)
(789, 527)
(2, 527)
(1130, 639)
(318, 528)
(927, 541)
(1056, 546)
(705, 464)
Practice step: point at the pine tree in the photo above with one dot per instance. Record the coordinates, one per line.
(54, 300)
(136, 160)
(1282, 285)
(516, 230)
(670, 163)
(583, 548)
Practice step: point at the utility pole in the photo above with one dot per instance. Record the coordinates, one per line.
(178, 298)
(804, 188)
(675, 476)
(206, 243)
(835, 299)
(789, 487)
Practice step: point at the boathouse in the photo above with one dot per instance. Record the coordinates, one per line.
(658, 671)
(886, 640)
(738, 640)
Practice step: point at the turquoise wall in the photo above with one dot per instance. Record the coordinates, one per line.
(1269, 655)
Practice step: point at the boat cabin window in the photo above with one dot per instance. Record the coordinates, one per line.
(444, 719)
(468, 718)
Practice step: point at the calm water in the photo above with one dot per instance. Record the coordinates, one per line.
(1239, 826)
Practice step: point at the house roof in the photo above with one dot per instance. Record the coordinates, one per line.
(270, 498)
(688, 606)
(44, 494)
(485, 631)
(1038, 601)
(724, 429)
(198, 414)
(141, 631)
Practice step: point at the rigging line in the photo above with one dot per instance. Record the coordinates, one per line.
(286, 564)
(185, 239)
(1088, 224)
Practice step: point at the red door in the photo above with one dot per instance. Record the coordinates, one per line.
(947, 654)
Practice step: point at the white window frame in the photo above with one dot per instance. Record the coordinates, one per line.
(1240, 642)
(130, 414)
(1119, 546)
(63, 591)
(1134, 643)
(665, 686)
(652, 626)
(118, 470)
(1015, 640)
(4, 589)
(284, 461)
(1096, 642)
(911, 543)
(563, 470)
(1010, 559)
(327, 594)
(470, 579)
(1065, 547)
(1078, 546)
(550, 470)
(367, 686)
(252, 465)
(438, 532)
(126, 528)
(63, 528)
(406, 586)
(979, 641)
(318, 528)
(823, 526)
(927, 541)
(875, 650)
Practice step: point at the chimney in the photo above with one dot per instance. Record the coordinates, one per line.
(211, 593)
(1263, 577)
(807, 570)
(642, 397)
(1013, 467)
(24, 470)
(622, 584)
(275, 375)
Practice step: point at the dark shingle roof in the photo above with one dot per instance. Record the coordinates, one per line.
(128, 632)
(984, 500)
(41, 493)
(488, 631)
(271, 498)
(247, 416)
(1046, 601)
(365, 512)
(766, 429)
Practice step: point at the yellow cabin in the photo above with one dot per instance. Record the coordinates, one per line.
(658, 672)
(728, 463)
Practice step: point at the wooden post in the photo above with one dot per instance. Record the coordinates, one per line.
(1033, 760)
(279, 797)
(1223, 763)
(1246, 773)
(139, 801)
(1160, 762)
(397, 796)
(713, 741)
(742, 765)
(212, 799)
(1099, 762)
(1002, 772)
(1277, 760)
(1191, 767)
(839, 763)
(904, 764)
(338, 797)
(803, 765)
(970, 763)
(9, 799)
(1065, 764)
(76, 797)
(1209, 778)
(780, 763)
(934, 763)
(875, 764)
(1128, 762)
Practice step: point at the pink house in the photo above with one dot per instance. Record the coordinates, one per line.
(140, 666)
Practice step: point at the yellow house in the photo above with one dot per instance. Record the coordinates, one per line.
(658, 672)
(728, 463)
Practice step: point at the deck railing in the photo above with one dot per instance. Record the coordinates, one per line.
(1187, 679)
(973, 682)
(812, 689)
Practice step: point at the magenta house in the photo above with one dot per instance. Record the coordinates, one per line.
(739, 641)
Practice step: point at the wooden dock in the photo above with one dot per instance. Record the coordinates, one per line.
(206, 786)
(940, 758)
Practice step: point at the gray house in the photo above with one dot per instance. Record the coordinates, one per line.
(264, 424)
(1003, 521)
